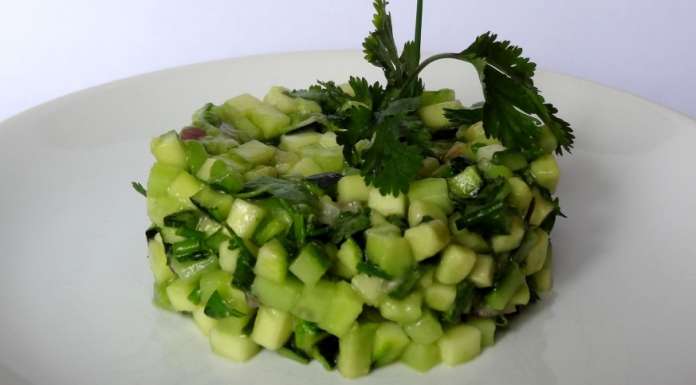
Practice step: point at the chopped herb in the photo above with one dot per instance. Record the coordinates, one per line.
(218, 308)
(370, 268)
(349, 223)
(139, 188)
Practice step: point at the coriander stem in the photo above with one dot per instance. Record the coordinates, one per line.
(426, 62)
(419, 21)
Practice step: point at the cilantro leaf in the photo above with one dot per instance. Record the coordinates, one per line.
(293, 191)
(390, 164)
(139, 188)
(218, 308)
(380, 50)
(349, 223)
(514, 110)
(243, 275)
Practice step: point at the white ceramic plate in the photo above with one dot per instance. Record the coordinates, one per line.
(75, 287)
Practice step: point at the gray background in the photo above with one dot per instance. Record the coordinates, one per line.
(50, 48)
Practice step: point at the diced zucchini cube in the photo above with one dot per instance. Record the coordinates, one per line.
(278, 97)
(542, 208)
(439, 96)
(456, 263)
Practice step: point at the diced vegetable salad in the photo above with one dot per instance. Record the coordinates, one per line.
(299, 224)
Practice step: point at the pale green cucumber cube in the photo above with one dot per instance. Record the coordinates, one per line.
(272, 327)
(386, 204)
(244, 218)
(272, 261)
(427, 239)
(460, 344)
(352, 188)
(456, 263)
(389, 344)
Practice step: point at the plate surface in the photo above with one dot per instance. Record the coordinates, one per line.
(75, 287)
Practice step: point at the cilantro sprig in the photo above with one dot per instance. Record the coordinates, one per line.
(378, 125)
